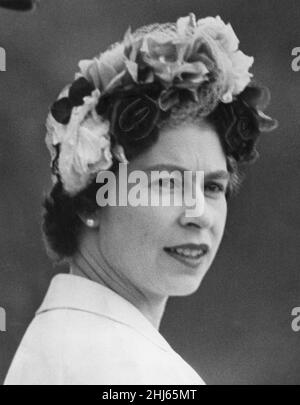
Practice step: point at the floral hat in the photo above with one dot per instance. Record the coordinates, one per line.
(121, 94)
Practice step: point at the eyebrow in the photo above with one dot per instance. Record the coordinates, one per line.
(216, 175)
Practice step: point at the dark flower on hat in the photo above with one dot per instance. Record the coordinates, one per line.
(243, 121)
(135, 112)
(240, 130)
(62, 108)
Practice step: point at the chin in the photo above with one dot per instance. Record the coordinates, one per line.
(186, 285)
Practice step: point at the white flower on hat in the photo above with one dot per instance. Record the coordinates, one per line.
(222, 33)
(84, 144)
(107, 68)
(234, 63)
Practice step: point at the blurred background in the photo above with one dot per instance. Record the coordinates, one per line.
(237, 328)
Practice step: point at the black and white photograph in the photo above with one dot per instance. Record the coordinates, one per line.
(150, 177)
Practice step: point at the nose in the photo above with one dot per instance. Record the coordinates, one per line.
(204, 220)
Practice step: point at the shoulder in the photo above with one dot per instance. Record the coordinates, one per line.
(36, 359)
(66, 346)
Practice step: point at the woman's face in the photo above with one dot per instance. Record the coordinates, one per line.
(135, 241)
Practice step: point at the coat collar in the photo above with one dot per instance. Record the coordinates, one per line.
(68, 291)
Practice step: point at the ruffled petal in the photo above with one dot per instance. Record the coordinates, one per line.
(89, 69)
(186, 25)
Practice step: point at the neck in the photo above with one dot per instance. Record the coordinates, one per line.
(89, 262)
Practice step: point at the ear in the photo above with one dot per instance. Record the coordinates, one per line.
(91, 220)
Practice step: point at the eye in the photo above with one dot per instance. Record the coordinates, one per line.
(165, 182)
(214, 188)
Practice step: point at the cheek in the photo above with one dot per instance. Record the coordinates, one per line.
(220, 219)
(133, 226)
(148, 225)
(223, 217)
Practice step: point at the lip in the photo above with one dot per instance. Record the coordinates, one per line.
(191, 262)
(193, 246)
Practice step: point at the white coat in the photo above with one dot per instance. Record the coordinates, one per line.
(85, 333)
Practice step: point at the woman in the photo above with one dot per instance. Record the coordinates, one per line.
(174, 97)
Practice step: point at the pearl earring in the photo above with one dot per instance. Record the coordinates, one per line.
(90, 222)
